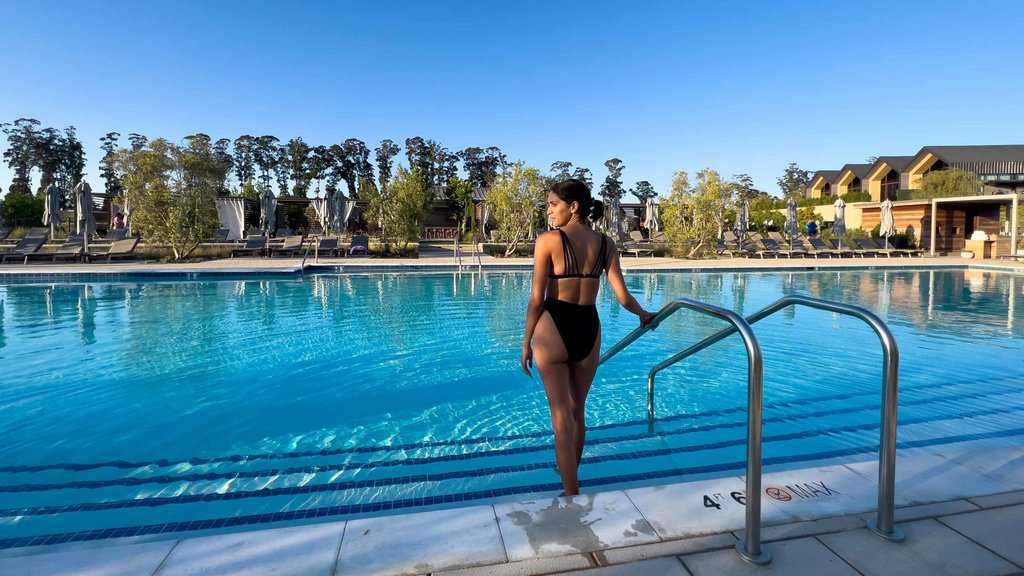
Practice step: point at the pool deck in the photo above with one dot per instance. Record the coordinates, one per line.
(439, 264)
(960, 505)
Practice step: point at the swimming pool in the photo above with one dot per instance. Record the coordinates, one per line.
(146, 407)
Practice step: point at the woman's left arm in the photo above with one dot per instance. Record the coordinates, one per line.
(535, 307)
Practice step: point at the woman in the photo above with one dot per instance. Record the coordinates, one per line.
(563, 332)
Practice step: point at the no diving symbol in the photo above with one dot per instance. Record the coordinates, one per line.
(778, 494)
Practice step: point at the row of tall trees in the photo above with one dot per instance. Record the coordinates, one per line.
(58, 155)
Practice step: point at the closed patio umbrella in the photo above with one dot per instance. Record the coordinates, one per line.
(792, 227)
(51, 208)
(268, 212)
(83, 213)
(651, 216)
(839, 226)
(888, 223)
(742, 221)
(337, 213)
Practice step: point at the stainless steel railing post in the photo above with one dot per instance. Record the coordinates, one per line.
(883, 524)
(750, 547)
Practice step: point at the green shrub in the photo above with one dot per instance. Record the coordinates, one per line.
(22, 210)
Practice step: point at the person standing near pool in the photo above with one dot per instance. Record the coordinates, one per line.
(563, 331)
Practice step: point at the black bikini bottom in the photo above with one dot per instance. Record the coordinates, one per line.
(578, 325)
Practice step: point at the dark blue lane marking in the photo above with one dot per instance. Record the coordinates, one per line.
(441, 476)
(243, 458)
(376, 507)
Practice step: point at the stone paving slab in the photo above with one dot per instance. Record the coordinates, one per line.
(123, 560)
(670, 566)
(532, 567)
(1000, 530)
(923, 477)
(1004, 464)
(821, 491)
(930, 548)
(669, 548)
(554, 526)
(297, 551)
(805, 556)
(697, 508)
(421, 542)
(1004, 499)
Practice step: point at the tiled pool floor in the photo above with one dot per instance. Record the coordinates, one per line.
(961, 505)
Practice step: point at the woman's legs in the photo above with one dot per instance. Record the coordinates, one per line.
(581, 375)
(550, 357)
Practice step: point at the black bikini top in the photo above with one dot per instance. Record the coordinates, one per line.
(572, 266)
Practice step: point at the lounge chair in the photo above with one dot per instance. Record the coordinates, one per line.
(114, 234)
(24, 247)
(71, 249)
(360, 245)
(292, 246)
(5, 232)
(38, 232)
(221, 235)
(820, 248)
(254, 246)
(783, 250)
(860, 250)
(637, 244)
(880, 246)
(761, 248)
(118, 249)
(328, 246)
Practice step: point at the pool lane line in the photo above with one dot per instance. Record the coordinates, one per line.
(439, 476)
(350, 509)
(245, 458)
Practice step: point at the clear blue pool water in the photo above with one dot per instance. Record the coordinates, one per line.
(141, 407)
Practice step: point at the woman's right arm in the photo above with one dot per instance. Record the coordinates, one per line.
(621, 292)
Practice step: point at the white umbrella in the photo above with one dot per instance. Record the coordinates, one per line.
(839, 226)
(792, 227)
(51, 208)
(888, 223)
(268, 212)
(651, 216)
(83, 213)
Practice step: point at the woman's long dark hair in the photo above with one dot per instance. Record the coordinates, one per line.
(573, 190)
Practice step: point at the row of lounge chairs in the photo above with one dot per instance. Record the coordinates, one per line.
(28, 248)
(294, 246)
(775, 246)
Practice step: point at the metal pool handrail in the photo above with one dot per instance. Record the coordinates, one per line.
(750, 548)
(883, 524)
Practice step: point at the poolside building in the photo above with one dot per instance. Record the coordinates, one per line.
(992, 209)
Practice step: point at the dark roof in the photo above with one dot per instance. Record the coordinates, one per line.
(859, 170)
(897, 163)
(828, 175)
(994, 159)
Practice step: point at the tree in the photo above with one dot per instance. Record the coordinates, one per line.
(691, 215)
(108, 143)
(298, 165)
(561, 170)
(417, 152)
(319, 165)
(48, 156)
(265, 157)
(225, 162)
(743, 186)
(20, 155)
(399, 209)
(947, 183)
(282, 170)
(244, 159)
(355, 164)
(446, 167)
(459, 194)
(643, 191)
(385, 155)
(482, 165)
(515, 197)
(138, 141)
(172, 191)
(794, 181)
(612, 186)
(72, 160)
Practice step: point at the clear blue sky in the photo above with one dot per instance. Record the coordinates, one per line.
(739, 87)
